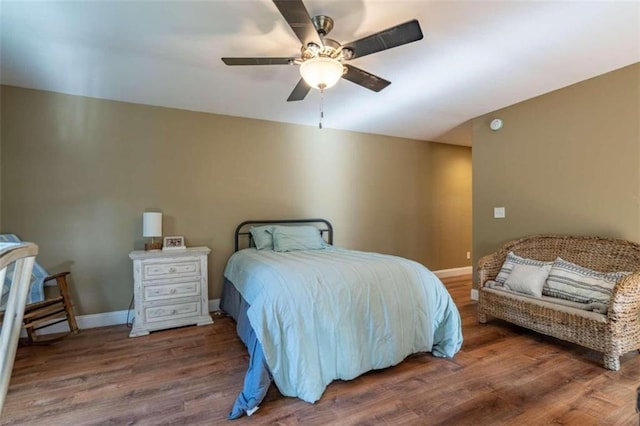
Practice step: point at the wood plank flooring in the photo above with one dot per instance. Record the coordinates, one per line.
(504, 375)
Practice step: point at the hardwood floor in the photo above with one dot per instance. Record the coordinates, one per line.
(503, 375)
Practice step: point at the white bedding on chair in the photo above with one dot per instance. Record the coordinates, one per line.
(36, 292)
(329, 314)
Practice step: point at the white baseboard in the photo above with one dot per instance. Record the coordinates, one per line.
(214, 305)
(466, 270)
(474, 294)
(105, 319)
(120, 317)
(454, 272)
(90, 321)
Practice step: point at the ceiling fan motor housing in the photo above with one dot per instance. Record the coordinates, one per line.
(323, 24)
(330, 49)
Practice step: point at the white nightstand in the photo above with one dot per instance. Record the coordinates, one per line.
(170, 289)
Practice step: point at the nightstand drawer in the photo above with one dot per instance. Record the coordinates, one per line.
(171, 269)
(158, 292)
(172, 312)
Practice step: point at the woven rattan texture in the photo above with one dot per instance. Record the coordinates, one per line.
(615, 337)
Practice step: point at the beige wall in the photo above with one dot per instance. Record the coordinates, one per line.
(77, 173)
(567, 162)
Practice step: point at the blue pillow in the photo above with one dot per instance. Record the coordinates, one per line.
(291, 238)
(262, 237)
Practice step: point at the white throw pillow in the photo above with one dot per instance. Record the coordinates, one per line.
(527, 279)
(513, 259)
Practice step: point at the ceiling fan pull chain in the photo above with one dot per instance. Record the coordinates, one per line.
(321, 107)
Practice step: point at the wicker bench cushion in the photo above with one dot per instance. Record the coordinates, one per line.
(574, 308)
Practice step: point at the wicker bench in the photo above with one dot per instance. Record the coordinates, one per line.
(614, 333)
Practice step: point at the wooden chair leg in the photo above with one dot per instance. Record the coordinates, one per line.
(61, 280)
(48, 312)
(59, 305)
(31, 335)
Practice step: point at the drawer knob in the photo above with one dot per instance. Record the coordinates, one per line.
(173, 291)
(172, 270)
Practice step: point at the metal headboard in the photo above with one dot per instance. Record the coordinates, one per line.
(242, 231)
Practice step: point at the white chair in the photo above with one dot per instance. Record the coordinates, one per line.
(41, 312)
(22, 255)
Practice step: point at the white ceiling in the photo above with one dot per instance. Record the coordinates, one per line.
(476, 56)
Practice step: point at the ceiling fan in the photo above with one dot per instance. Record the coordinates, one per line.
(322, 59)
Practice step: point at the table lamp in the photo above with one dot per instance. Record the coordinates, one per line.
(152, 227)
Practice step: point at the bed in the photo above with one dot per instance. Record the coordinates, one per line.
(310, 313)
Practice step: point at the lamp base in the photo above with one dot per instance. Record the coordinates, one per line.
(156, 245)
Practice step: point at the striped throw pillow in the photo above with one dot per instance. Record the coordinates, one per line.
(513, 259)
(574, 282)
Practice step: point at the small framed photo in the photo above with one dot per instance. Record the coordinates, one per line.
(173, 243)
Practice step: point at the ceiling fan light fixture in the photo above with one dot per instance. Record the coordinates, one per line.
(321, 72)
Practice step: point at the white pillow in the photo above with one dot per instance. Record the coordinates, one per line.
(579, 284)
(513, 259)
(527, 279)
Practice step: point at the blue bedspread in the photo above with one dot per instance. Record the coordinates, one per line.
(321, 315)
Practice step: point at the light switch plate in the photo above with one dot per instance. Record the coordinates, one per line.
(499, 213)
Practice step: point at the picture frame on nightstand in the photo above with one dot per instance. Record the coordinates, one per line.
(173, 243)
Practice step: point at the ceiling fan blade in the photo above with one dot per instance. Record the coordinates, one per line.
(296, 15)
(299, 92)
(386, 39)
(258, 61)
(365, 79)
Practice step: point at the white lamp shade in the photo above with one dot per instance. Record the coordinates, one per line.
(321, 72)
(151, 224)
